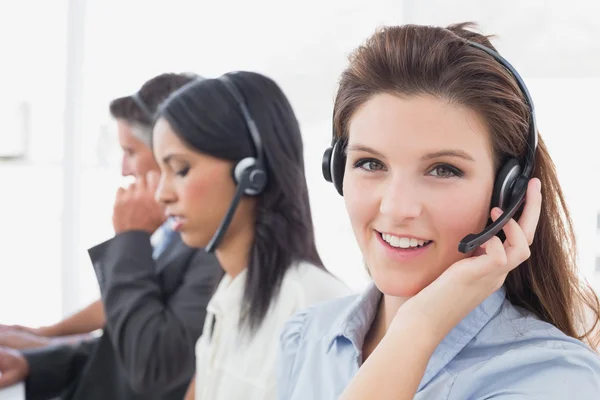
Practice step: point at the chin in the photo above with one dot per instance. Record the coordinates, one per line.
(398, 283)
(404, 277)
(192, 240)
(398, 289)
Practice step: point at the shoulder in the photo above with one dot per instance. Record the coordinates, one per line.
(518, 353)
(315, 322)
(310, 284)
(553, 369)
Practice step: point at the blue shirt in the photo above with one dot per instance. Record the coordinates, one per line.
(498, 351)
(162, 238)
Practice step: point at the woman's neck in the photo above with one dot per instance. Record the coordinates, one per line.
(386, 311)
(388, 307)
(234, 251)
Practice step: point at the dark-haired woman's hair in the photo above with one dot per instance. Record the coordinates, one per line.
(413, 60)
(206, 117)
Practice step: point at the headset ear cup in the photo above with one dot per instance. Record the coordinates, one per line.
(503, 186)
(258, 181)
(257, 177)
(338, 166)
(326, 164)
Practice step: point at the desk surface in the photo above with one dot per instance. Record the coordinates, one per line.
(15, 392)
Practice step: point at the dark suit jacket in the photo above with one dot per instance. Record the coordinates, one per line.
(155, 312)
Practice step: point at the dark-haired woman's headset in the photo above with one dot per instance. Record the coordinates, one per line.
(510, 186)
(249, 173)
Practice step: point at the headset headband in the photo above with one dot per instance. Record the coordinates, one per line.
(254, 135)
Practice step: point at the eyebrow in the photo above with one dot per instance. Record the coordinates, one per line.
(429, 156)
(169, 157)
(448, 153)
(366, 149)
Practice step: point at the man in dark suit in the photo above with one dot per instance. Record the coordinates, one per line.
(154, 290)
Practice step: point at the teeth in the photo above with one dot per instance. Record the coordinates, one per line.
(403, 242)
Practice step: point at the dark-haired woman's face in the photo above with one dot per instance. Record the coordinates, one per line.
(196, 189)
(419, 177)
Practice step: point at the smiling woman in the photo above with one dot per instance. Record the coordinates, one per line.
(434, 132)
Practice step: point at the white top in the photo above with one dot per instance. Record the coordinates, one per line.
(234, 365)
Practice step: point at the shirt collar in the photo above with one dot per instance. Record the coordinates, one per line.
(159, 234)
(229, 294)
(354, 324)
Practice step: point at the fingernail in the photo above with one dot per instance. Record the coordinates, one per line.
(496, 212)
(538, 185)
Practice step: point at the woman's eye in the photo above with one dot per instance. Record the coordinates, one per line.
(183, 172)
(446, 171)
(369, 165)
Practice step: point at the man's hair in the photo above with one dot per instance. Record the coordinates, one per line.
(151, 95)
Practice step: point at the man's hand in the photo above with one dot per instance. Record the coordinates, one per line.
(13, 367)
(4, 328)
(136, 208)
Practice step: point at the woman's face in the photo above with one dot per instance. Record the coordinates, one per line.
(196, 189)
(419, 177)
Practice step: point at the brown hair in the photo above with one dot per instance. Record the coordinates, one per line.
(415, 60)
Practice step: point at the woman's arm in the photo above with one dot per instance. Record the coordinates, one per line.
(382, 376)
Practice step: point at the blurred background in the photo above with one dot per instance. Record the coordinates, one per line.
(64, 60)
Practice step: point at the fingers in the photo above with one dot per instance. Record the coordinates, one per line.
(10, 373)
(494, 250)
(516, 244)
(10, 377)
(152, 180)
(531, 213)
(519, 236)
(140, 183)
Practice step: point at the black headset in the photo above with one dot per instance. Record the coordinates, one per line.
(510, 186)
(249, 173)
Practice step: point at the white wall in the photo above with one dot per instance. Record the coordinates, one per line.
(33, 71)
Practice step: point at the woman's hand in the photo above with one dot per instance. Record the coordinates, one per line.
(468, 282)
